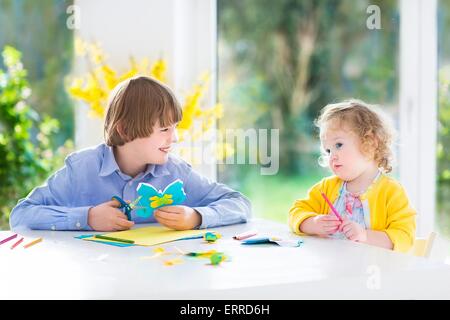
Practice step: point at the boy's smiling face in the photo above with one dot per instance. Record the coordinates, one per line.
(342, 148)
(155, 148)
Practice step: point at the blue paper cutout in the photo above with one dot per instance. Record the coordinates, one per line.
(273, 240)
(152, 199)
(200, 236)
(84, 236)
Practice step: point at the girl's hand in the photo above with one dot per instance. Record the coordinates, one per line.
(353, 231)
(322, 225)
(178, 217)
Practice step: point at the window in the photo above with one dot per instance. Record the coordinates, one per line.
(278, 73)
(443, 133)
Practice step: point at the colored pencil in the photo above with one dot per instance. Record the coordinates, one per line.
(32, 243)
(245, 235)
(99, 236)
(7, 239)
(17, 243)
(332, 207)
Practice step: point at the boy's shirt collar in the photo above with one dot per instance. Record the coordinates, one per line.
(156, 170)
(109, 166)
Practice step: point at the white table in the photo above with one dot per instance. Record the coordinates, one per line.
(62, 267)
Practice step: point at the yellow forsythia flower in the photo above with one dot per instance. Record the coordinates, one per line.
(94, 88)
(159, 70)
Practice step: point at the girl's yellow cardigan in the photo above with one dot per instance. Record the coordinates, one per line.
(387, 201)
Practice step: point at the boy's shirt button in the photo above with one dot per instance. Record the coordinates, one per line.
(78, 225)
(53, 227)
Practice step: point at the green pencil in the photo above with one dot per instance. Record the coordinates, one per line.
(113, 239)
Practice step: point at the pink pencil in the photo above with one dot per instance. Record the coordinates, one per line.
(17, 243)
(332, 207)
(245, 235)
(7, 239)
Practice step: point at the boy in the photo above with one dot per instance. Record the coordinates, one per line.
(140, 128)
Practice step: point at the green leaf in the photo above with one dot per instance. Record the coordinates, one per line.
(25, 161)
(11, 56)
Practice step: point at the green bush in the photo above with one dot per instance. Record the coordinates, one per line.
(443, 156)
(27, 151)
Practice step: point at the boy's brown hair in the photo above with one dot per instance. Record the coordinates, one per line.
(135, 105)
(368, 123)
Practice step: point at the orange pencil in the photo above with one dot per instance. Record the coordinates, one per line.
(17, 243)
(32, 243)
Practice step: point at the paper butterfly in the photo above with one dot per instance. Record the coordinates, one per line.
(152, 199)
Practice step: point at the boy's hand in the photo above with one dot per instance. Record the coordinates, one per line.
(106, 217)
(322, 225)
(178, 217)
(353, 231)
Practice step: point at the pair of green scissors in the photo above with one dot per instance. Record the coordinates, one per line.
(128, 207)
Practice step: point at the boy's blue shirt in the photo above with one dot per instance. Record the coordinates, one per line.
(91, 177)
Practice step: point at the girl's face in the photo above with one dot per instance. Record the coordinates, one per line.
(155, 148)
(342, 149)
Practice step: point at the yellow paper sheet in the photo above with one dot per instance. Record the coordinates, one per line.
(149, 236)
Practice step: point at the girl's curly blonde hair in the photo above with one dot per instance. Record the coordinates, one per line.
(368, 123)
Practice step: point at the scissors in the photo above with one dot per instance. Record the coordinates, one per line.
(128, 207)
